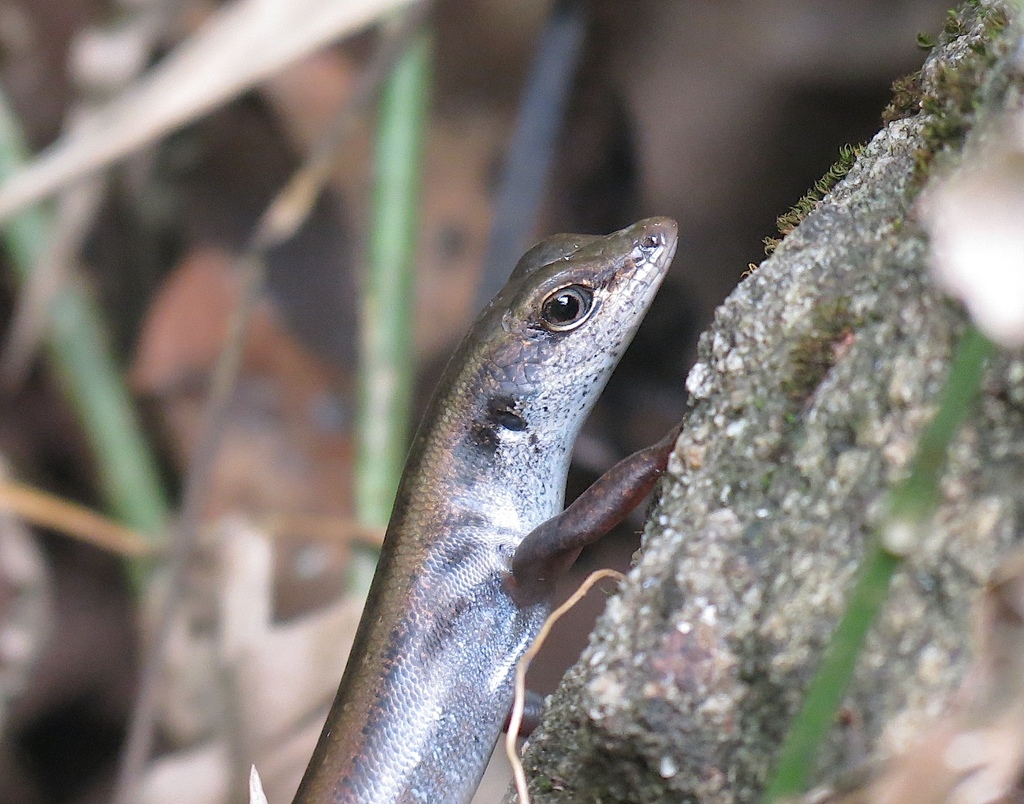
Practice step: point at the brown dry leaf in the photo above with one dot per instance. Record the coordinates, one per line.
(282, 676)
(976, 754)
(288, 448)
(309, 651)
(186, 323)
(286, 456)
(240, 45)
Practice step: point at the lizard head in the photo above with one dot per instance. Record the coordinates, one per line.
(548, 342)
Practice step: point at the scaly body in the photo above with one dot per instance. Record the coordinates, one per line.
(429, 682)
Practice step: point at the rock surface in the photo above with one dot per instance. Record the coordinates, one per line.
(809, 395)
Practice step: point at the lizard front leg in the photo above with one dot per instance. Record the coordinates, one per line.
(552, 547)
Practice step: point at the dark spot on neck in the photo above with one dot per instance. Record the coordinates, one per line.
(509, 420)
(502, 411)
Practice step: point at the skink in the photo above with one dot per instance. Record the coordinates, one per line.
(476, 542)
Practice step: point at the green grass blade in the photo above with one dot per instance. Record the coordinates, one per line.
(386, 372)
(86, 369)
(911, 505)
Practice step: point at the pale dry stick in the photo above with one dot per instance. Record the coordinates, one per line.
(243, 43)
(256, 794)
(46, 510)
(515, 719)
(276, 225)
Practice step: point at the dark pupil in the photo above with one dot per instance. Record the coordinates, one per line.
(562, 309)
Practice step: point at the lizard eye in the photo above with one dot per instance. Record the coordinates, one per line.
(567, 308)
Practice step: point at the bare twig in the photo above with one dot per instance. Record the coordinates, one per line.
(197, 485)
(290, 207)
(75, 212)
(515, 719)
(328, 528)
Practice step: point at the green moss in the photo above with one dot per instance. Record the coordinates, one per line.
(961, 20)
(950, 108)
(954, 25)
(817, 350)
(951, 102)
(906, 98)
(802, 208)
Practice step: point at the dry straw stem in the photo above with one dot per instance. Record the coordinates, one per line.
(515, 719)
(241, 45)
(42, 509)
(49, 511)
